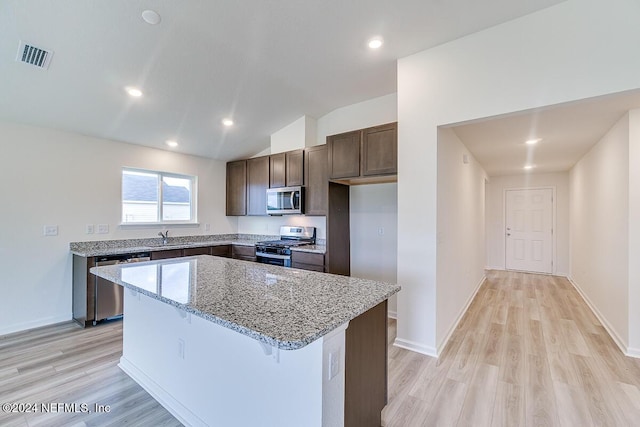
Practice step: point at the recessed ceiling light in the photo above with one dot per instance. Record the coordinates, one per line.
(533, 141)
(134, 91)
(227, 122)
(151, 17)
(528, 167)
(375, 43)
(172, 143)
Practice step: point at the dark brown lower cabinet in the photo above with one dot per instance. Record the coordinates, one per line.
(246, 253)
(171, 253)
(307, 261)
(366, 368)
(221, 250)
(206, 250)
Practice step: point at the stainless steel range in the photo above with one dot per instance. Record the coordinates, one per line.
(278, 252)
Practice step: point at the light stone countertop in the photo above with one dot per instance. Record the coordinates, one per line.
(283, 307)
(127, 246)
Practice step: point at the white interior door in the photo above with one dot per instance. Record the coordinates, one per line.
(529, 230)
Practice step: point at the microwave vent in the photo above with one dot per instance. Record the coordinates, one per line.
(32, 55)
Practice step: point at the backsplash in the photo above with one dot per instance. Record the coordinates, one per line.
(271, 224)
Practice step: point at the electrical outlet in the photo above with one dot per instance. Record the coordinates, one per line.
(180, 348)
(50, 230)
(380, 231)
(207, 227)
(334, 363)
(103, 228)
(89, 229)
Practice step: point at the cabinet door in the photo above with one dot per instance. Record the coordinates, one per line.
(344, 155)
(257, 184)
(236, 188)
(277, 171)
(295, 167)
(380, 150)
(317, 180)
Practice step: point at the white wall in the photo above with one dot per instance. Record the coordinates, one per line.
(460, 232)
(373, 112)
(574, 50)
(299, 134)
(634, 234)
(70, 180)
(373, 255)
(495, 216)
(599, 228)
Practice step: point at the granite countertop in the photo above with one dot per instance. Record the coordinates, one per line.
(283, 307)
(127, 246)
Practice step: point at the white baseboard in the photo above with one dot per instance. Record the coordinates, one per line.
(392, 314)
(32, 324)
(453, 327)
(178, 410)
(633, 352)
(414, 346)
(500, 268)
(607, 326)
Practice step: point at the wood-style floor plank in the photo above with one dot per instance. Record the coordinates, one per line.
(540, 358)
(528, 351)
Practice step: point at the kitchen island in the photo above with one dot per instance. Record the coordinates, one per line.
(226, 342)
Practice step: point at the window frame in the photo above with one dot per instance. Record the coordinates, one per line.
(193, 206)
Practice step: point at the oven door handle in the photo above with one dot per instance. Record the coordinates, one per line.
(274, 256)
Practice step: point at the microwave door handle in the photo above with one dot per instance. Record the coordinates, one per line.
(293, 194)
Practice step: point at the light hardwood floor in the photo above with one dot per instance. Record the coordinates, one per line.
(528, 352)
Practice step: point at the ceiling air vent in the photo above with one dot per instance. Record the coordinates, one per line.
(32, 55)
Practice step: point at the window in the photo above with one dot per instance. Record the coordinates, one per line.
(150, 197)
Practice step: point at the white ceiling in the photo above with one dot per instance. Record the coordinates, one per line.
(568, 131)
(263, 62)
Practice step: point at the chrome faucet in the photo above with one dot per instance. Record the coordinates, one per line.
(165, 236)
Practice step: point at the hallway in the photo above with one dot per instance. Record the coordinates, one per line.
(528, 351)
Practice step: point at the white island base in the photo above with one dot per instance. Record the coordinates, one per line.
(208, 375)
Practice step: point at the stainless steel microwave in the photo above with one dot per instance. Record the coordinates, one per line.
(285, 200)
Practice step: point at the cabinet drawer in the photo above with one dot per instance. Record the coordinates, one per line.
(307, 258)
(173, 253)
(248, 253)
(222, 250)
(197, 251)
(310, 267)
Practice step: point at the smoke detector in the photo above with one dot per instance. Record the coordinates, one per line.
(32, 55)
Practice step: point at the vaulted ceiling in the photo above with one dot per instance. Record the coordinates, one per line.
(263, 63)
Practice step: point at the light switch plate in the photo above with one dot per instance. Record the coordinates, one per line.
(103, 228)
(89, 229)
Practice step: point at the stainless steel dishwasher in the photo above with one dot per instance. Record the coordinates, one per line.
(109, 297)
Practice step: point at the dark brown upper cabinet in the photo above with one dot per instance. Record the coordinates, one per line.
(344, 155)
(295, 168)
(257, 184)
(316, 171)
(286, 169)
(380, 150)
(365, 155)
(277, 173)
(236, 204)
